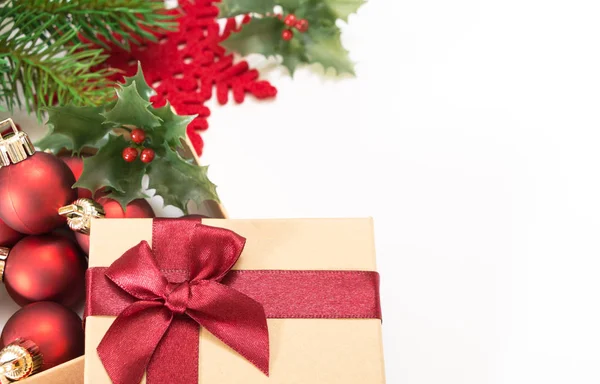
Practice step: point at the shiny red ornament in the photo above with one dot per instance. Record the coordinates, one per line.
(75, 164)
(130, 154)
(290, 20)
(8, 236)
(45, 268)
(302, 25)
(138, 136)
(56, 330)
(147, 155)
(287, 35)
(32, 191)
(137, 209)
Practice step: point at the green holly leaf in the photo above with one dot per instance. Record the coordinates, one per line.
(108, 169)
(54, 142)
(173, 126)
(131, 109)
(325, 47)
(344, 8)
(230, 8)
(292, 53)
(179, 181)
(81, 126)
(145, 91)
(258, 36)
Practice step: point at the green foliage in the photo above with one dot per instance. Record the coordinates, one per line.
(46, 73)
(41, 51)
(95, 20)
(177, 180)
(320, 44)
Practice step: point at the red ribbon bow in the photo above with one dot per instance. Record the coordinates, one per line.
(166, 300)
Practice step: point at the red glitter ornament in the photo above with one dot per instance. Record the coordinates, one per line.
(185, 65)
(34, 185)
(45, 268)
(56, 330)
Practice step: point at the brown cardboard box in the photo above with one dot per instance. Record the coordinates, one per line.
(303, 351)
(70, 372)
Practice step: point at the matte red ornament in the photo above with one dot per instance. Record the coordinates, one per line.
(45, 268)
(147, 155)
(287, 35)
(75, 164)
(138, 136)
(302, 25)
(8, 236)
(129, 154)
(56, 330)
(32, 191)
(290, 20)
(137, 209)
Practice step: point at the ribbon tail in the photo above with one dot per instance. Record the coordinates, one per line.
(127, 347)
(234, 318)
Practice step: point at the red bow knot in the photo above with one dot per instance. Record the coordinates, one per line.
(168, 297)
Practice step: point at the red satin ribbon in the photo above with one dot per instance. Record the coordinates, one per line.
(162, 295)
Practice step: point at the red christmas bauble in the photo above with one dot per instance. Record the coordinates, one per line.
(137, 209)
(32, 191)
(8, 236)
(75, 164)
(56, 330)
(45, 268)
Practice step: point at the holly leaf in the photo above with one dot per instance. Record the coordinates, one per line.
(179, 181)
(54, 142)
(292, 53)
(74, 127)
(173, 126)
(131, 109)
(258, 36)
(230, 8)
(344, 8)
(144, 90)
(108, 169)
(325, 47)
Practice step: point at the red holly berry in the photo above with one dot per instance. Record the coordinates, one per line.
(302, 25)
(287, 35)
(147, 155)
(138, 136)
(290, 20)
(129, 154)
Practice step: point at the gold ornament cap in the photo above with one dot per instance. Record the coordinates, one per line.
(14, 147)
(80, 214)
(3, 257)
(19, 360)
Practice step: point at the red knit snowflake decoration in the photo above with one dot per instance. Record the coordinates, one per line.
(183, 66)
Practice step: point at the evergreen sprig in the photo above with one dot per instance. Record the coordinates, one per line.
(34, 75)
(119, 21)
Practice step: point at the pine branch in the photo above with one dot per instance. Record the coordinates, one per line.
(119, 21)
(47, 73)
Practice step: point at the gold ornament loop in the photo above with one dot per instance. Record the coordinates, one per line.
(15, 147)
(80, 214)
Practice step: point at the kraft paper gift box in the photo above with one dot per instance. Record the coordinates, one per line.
(302, 350)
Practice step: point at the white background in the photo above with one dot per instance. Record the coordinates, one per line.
(471, 135)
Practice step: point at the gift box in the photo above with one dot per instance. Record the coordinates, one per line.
(233, 301)
(70, 372)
